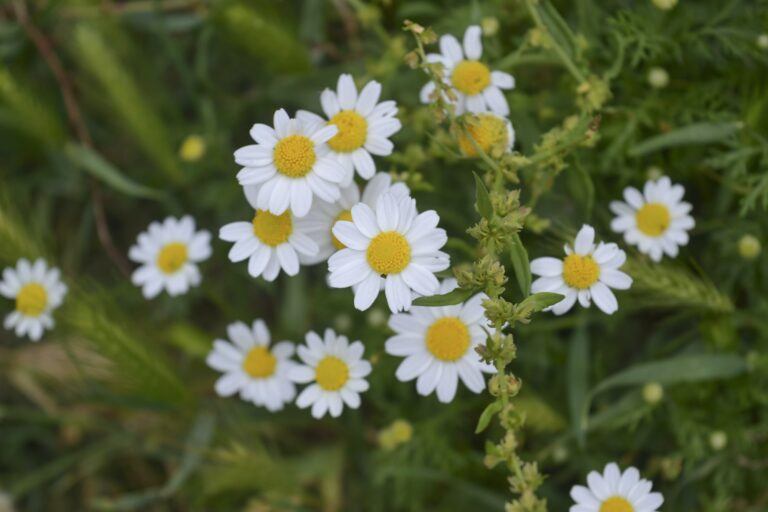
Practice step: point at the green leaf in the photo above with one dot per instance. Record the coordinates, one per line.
(520, 265)
(457, 296)
(482, 199)
(699, 133)
(541, 300)
(485, 418)
(577, 377)
(98, 167)
(688, 368)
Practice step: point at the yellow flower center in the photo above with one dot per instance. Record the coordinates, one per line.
(259, 363)
(653, 219)
(448, 338)
(31, 300)
(580, 271)
(172, 257)
(616, 504)
(388, 253)
(488, 132)
(272, 230)
(471, 77)
(347, 216)
(294, 156)
(353, 131)
(331, 373)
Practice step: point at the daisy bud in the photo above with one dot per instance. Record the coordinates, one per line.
(397, 433)
(560, 454)
(718, 440)
(749, 247)
(653, 392)
(762, 41)
(490, 26)
(376, 318)
(192, 148)
(654, 172)
(664, 5)
(342, 322)
(658, 78)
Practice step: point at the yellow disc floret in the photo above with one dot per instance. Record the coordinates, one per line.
(331, 373)
(31, 300)
(172, 257)
(346, 215)
(294, 156)
(388, 253)
(580, 272)
(653, 219)
(448, 338)
(353, 131)
(259, 363)
(471, 77)
(488, 132)
(272, 230)
(616, 504)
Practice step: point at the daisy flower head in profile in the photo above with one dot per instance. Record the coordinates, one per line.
(254, 367)
(289, 165)
(365, 125)
(168, 254)
(393, 244)
(335, 370)
(656, 220)
(615, 491)
(587, 273)
(438, 344)
(318, 224)
(37, 290)
(476, 87)
(491, 133)
(269, 242)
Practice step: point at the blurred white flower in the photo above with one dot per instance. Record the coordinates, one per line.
(38, 290)
(169, 254)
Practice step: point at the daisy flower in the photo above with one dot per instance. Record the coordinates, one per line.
(336, 370)
(318, 224)
(364, 124)
(168, 254)
(656, 220)
(489, 132)
(38, 290)
(269, 242)
(588, 272)
(258, 371)
(614, 491)
(438, 345)
(477, 88)
(289, 165)
(392, 244)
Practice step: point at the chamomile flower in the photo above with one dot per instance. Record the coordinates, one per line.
(289, 165)
(392, 244)
(168, 254)
(490, 133)
(656, 220)
(253, 366)
(615, 491)
(438, 345)
(318, 224)
(336, 370)
(588, 272)
(364, 124)
(37, 290)
(476, 87)
(269, 242)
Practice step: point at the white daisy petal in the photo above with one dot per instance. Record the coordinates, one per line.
(473, 46)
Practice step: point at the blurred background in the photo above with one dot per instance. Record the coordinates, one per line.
(117, 113)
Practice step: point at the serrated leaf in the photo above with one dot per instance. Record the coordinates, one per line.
(485, 418)
(482, 199)
(456, 296)
(699, 133)
(93, 163)
(520, 265)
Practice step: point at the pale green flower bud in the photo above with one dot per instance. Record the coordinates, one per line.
(718, 440)
(749, 247)
(658, 78)
(653, 392)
